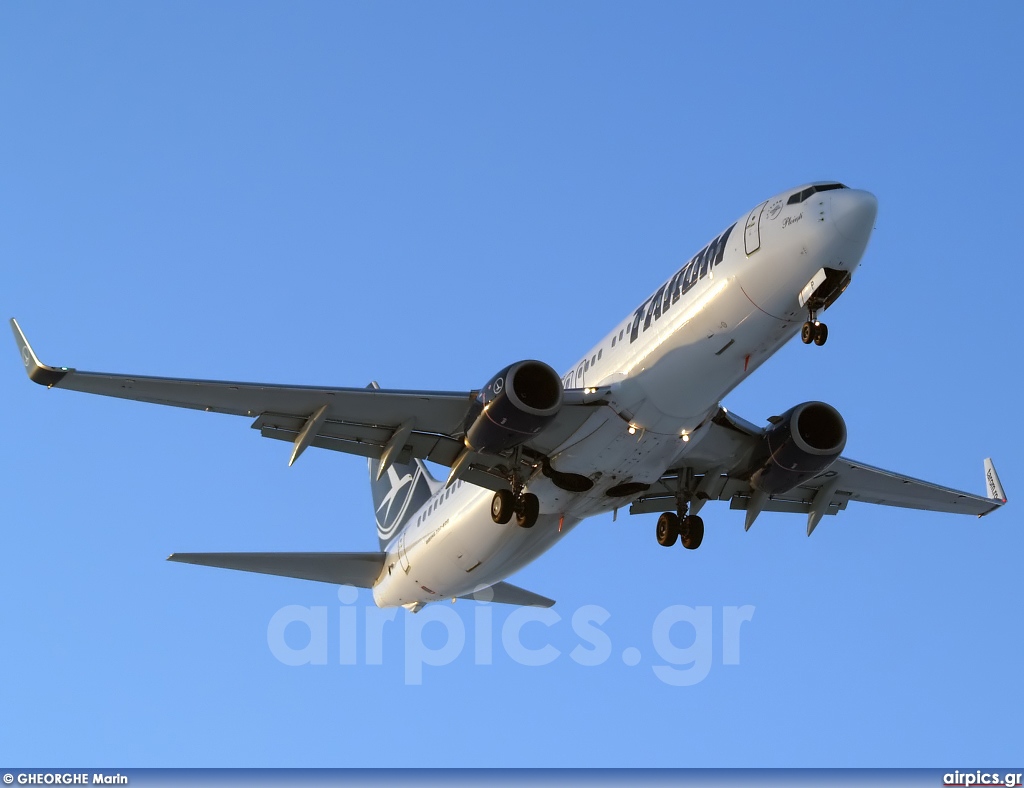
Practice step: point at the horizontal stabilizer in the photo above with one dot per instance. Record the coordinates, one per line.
(508, 594)
(348, 569)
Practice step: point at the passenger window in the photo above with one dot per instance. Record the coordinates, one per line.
(613, 341)
(600, 352)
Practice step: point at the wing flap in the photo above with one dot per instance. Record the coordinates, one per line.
(798, 501)
(364, 440)
(347, 569)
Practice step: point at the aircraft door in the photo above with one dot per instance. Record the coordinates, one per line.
(579, 376)
(752, 232)
(403, 555)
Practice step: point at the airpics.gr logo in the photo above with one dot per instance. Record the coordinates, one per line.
(678, 649)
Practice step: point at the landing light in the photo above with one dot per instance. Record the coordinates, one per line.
(632, 430)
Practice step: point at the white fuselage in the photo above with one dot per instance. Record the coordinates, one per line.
(668, 364)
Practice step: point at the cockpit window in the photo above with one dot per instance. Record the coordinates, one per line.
(821, 187)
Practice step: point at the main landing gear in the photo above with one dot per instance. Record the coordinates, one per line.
(814, 331)
(689, 527)
(516, 501)
(524, 506)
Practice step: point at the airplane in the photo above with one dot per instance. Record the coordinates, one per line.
(637, 422)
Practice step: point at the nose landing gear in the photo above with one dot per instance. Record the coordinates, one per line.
(819, 294)
(813, 330)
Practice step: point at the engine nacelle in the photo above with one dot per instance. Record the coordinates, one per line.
(805, 441)
(515, 405)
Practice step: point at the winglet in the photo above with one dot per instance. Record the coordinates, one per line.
(992, 484)
(37, 371)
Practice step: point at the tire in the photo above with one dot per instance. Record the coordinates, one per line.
(527, 517)
(502, 506)
(667, 530)
(807, 333)
(820, 334)
(693, 532)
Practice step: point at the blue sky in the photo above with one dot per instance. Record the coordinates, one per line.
(420, 194)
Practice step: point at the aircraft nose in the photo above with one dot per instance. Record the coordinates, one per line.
(853, 213)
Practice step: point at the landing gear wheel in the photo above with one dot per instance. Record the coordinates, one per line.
(820, 334)
(692, 532)
(668, 529)
(807, 333)
(529, 510)
(502, 506)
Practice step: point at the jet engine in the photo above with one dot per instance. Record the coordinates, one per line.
(800, 444)
(514, 406)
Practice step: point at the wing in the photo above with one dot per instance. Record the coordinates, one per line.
(715, 471)
(426, 425)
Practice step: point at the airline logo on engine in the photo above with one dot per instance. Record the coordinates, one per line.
(681, 283)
